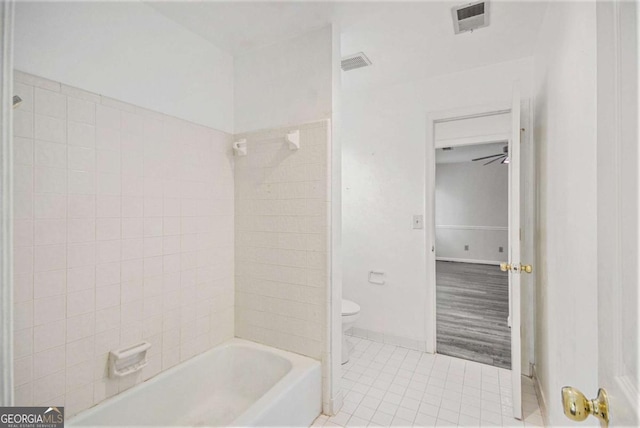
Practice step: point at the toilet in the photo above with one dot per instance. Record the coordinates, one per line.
(350, 314)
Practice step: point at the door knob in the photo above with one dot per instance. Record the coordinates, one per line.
(526, 268)
(505, 267)
(578, 408)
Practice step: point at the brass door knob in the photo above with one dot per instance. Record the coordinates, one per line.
(578, 408)
(505, 267)
(526, 268)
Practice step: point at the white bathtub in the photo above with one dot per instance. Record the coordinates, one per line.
(238, 383)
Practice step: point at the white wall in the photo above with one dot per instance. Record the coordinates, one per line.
(285, 83)
(565, 134)
(471, 209)
(123, 232)
(127, 51)
(384, 157)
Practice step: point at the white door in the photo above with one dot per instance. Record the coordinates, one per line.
(514, 252)
(618, 214)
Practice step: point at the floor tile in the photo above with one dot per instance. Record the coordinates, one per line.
(340, 418)
(382, 418)
(387, 385)
(357, 422)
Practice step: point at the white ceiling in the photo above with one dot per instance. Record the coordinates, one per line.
(404, 40)
(416, 41)
(467, 153)
(238, 26)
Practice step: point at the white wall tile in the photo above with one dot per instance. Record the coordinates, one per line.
(23, 151)
(49, 129)
(132, 249)
(23, 370)
(81, 230)
(23, 288)
(47, 205)
(49, 335)
(50, 231)
(107, 318)
(81, 254)
(50, 180)
(107, 229)
(23, 342)
(108, 184)
(50, 154)
(81, 205)
(107, 139)
(81, 158)
(107, 117)
(81, 111)
(86, 216)
(23, 124)
(108, 206)
(81, 326)
(81, 135)
(107, 274)
(50, 103)
(50, 257)
(48, 388)
(82, 182)
(23, 317)
(108, 251)
(108, 161)
(23, 232)
(80, 351)
(81, 278)
(48, 309)
(279, 210)
(79, 399)
(49, 283)
(80, 302)
(23, 205)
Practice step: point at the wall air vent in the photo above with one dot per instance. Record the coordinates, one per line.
(354, 61)
(470, 16)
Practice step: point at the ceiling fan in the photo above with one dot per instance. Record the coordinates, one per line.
(504, 157)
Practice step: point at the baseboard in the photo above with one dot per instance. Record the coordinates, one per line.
(480, 262)
(542, 402)
(403, 342)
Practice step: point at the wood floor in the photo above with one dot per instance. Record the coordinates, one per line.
(472, 311)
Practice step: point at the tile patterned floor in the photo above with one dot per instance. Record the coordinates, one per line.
(386, 385)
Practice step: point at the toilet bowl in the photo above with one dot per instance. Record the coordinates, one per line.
(350, 314)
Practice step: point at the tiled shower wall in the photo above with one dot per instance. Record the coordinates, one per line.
(282, 201)
(123, 232)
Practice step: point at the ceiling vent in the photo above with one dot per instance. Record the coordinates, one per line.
(354, 61)
(470, 16)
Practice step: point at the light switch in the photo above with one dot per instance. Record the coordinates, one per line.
(418, 222)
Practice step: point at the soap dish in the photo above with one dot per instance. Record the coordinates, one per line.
(125, 361)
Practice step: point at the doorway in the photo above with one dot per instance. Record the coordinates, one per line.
(471, 126)
(471, 216)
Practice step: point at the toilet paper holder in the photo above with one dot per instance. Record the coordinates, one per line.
(376, 277)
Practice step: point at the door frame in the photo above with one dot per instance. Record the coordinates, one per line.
(6, 204)
(430, 196)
